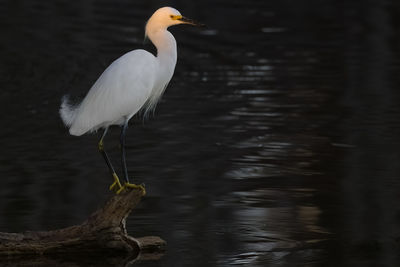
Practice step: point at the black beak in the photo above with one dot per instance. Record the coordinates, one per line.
(191, 22)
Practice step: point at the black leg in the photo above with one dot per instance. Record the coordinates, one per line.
(104, 153)
(125, 170)
(110, 166)
(123, 158)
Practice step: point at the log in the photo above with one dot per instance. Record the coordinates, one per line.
(103, 233)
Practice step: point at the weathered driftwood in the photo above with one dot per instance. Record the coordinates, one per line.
(104, 232)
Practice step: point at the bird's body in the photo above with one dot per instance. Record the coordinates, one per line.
(133, 82)
(119, 93)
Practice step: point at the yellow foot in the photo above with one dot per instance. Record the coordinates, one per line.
(117, 184)
(118, 188)
(133, 186)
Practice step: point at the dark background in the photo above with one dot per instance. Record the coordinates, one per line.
(276, 143)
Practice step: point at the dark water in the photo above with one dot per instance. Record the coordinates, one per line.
(276, 144)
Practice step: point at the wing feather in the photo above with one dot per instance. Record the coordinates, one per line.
(120, 92)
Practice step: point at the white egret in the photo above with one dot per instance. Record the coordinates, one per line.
(133, 82)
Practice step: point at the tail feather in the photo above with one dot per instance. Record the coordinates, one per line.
(67, 111)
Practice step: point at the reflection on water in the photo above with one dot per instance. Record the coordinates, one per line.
(276, 142)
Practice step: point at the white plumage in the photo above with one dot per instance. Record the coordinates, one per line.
(120, 92)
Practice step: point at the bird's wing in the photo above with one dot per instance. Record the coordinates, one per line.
(118, 94)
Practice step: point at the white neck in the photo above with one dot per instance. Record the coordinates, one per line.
(165, 43)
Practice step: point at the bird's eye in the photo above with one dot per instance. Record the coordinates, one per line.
(172, 16)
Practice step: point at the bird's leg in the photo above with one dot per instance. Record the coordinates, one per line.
(123, 161)
(116, 182)
(123, 158)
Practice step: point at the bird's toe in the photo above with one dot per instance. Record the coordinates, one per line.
(116, 185)
(140, 187)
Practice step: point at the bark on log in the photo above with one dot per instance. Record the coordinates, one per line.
(104, 232)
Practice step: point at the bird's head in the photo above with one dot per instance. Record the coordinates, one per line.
(165, 17)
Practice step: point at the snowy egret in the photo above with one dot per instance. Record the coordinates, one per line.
(133, 82)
